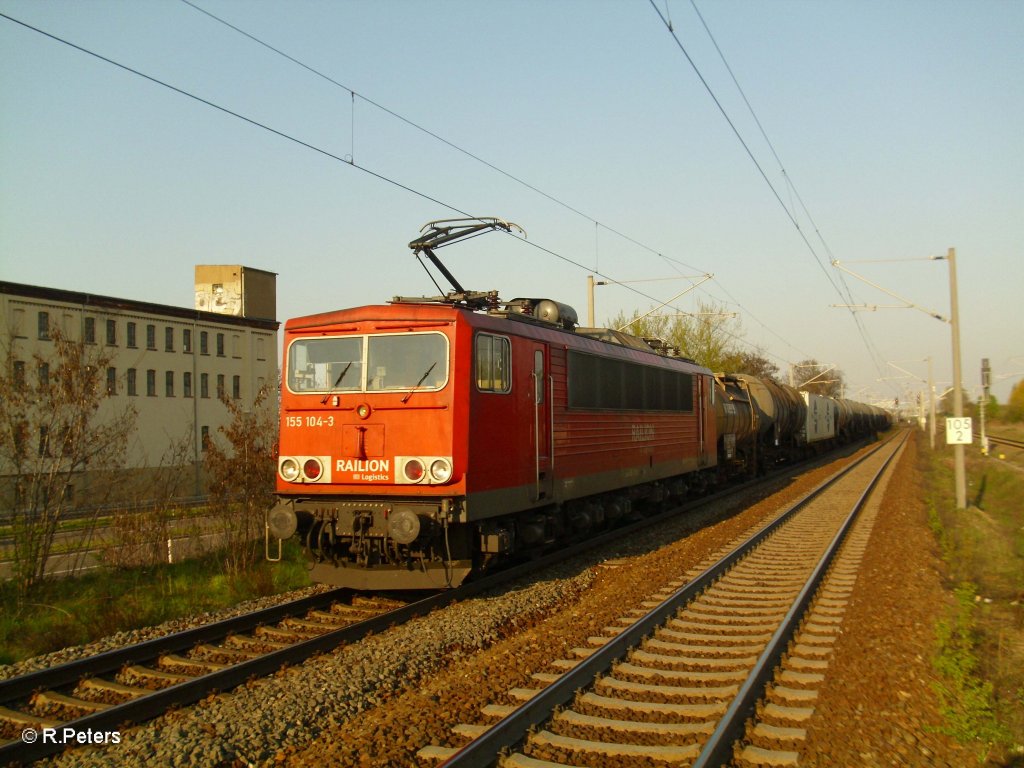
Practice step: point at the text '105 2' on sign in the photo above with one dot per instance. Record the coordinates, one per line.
(958, 431)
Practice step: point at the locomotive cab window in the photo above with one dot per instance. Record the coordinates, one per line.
(493, 363)
(382, 363)
(321, 365)
(407, 361)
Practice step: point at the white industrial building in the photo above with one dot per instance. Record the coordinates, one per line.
(170, 363)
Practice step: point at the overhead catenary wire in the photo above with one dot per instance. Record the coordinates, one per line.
(844, 291)
(598, 225)
(349, 160)
(300, 142)
(873, 352)
(225, 110)
(452, 145)
(744, 144)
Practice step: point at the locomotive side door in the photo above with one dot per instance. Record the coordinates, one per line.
(541, 395)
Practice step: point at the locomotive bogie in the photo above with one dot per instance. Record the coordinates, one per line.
(408, 541)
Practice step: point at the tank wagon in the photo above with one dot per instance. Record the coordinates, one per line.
(426, 439)
(761, 423)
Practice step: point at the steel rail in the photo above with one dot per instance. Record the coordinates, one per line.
(182, 694)
(188, 692)
(68, 674)
(512, 729)
(1002, 440)
(719, 747)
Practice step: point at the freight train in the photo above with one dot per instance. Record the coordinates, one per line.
(425, 440)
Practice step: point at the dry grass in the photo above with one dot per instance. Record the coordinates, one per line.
(984, 549)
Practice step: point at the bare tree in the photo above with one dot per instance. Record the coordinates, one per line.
(756, 364)
(62, 442)
(242, 476)
(138, 532)
(819, 378)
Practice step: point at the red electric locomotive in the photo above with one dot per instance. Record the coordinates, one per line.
(426, 439)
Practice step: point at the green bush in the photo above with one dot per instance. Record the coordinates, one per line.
(967, 700)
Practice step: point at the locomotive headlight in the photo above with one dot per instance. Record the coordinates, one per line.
(312, 469)
(413, 470)
(289, 470)
(441, 470)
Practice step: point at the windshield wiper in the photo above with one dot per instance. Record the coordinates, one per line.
(422, 379)
(336, 383)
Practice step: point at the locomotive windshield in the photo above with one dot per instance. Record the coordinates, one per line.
(389, 362)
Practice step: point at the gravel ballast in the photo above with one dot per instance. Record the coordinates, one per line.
(376, 703)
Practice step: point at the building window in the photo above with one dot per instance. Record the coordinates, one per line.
(18, 324)
(220, 386)
(44, 326)
(150, 337)
(44, 375)
(204, 343)
(169, 384)
(220, 345)
(151, 383)
(19, 374)
(111, 332)
(260, 354)
(168, 339)
(186, 384)
(132, 385)
(111, 381)
(236, 345)
(205, 433)
(236, 387)
(186, 341)
(89, 330)
(204, 385)
(19, 436)
(131, 335)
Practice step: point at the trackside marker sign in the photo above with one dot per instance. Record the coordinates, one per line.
(958, 431)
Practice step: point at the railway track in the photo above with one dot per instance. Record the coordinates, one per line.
(676, 680)
(1008, 442)
(131, 685)
(103, 693)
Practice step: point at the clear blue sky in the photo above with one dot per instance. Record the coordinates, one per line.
(900, 124)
